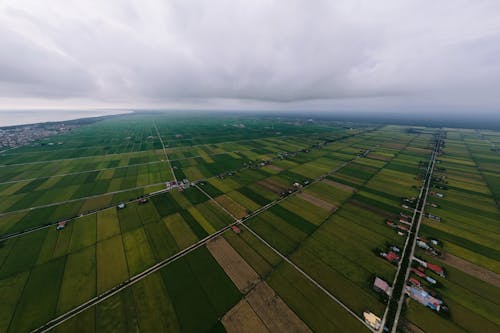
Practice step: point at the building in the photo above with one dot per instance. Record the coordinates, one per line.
(390, 256)
(372, 320)
(61, 225)
(381, 286)
(436, 269)
(423, 297)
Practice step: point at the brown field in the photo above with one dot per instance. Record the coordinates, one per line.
(242, 318)
(235, 208)
(272, 186)
(273, 312)
(317, 201)
(273, 167)
(411, 328)
(242, 275)
(372, 209)
(471, 269)
(339, 185)
(379, 157)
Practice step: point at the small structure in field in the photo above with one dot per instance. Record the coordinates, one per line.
(121, 205)
(236, 229)
(423, 297)
(381, 286)
(61, 225)
(372, 320)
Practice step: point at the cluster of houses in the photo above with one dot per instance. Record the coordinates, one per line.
(392, 255)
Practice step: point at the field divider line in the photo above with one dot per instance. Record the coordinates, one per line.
(77, 199)
(134, 279)
(122, 167)
(172, 149)
(165, 152)
(273, 203)
(26, 231)
(129, 282)
(123, 146)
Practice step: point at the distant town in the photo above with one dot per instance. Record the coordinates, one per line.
(19, 135)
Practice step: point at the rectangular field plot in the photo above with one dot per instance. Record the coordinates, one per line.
(189, 295)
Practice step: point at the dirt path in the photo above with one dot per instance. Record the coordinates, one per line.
(242, 275)
(471, 269)
(317, 201)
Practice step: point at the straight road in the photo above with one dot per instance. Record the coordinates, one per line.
(165, 152)
(134, 279)
(241, 223)
(393, 309)
(30, 230)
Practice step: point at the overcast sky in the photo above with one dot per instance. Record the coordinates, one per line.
(327, 55)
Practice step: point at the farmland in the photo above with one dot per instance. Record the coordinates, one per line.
(193, 223)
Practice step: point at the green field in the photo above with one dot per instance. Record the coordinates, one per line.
(318, 193)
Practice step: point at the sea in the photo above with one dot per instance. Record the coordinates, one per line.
(22, 117)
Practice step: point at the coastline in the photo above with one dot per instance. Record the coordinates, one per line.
(33, 117)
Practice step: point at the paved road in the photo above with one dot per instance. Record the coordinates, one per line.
(395, 304)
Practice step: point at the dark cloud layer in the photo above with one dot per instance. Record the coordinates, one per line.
(442, 55)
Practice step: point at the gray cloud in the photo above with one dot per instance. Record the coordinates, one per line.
(278, 54)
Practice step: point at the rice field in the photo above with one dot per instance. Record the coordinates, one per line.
(318, 193)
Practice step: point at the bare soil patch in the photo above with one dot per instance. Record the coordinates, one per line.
(379, 157)
(242, 318)
(235, 208)
(273, 312)
(339, 185)
(273, 167)
(471, 269)
(317, 201)
(272, 186)
(372, 209)
(242, 275)
(409, 327)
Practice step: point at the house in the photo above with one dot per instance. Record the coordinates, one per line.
(61, 225)
(372, 320)
(390, 256)
(236, 229)
(381, 286)
(121, 205)
(436, 269)
(414, 281)
(423, 297)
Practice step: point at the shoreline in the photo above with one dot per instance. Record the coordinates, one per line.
(56, 116)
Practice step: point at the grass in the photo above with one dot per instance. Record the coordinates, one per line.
(107, 224)
(11, 289)
(180, 230)
(137, 250)
(79, 279)
(111, 263)
(38, 301)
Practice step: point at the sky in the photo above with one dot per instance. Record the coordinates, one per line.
(355, 55)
